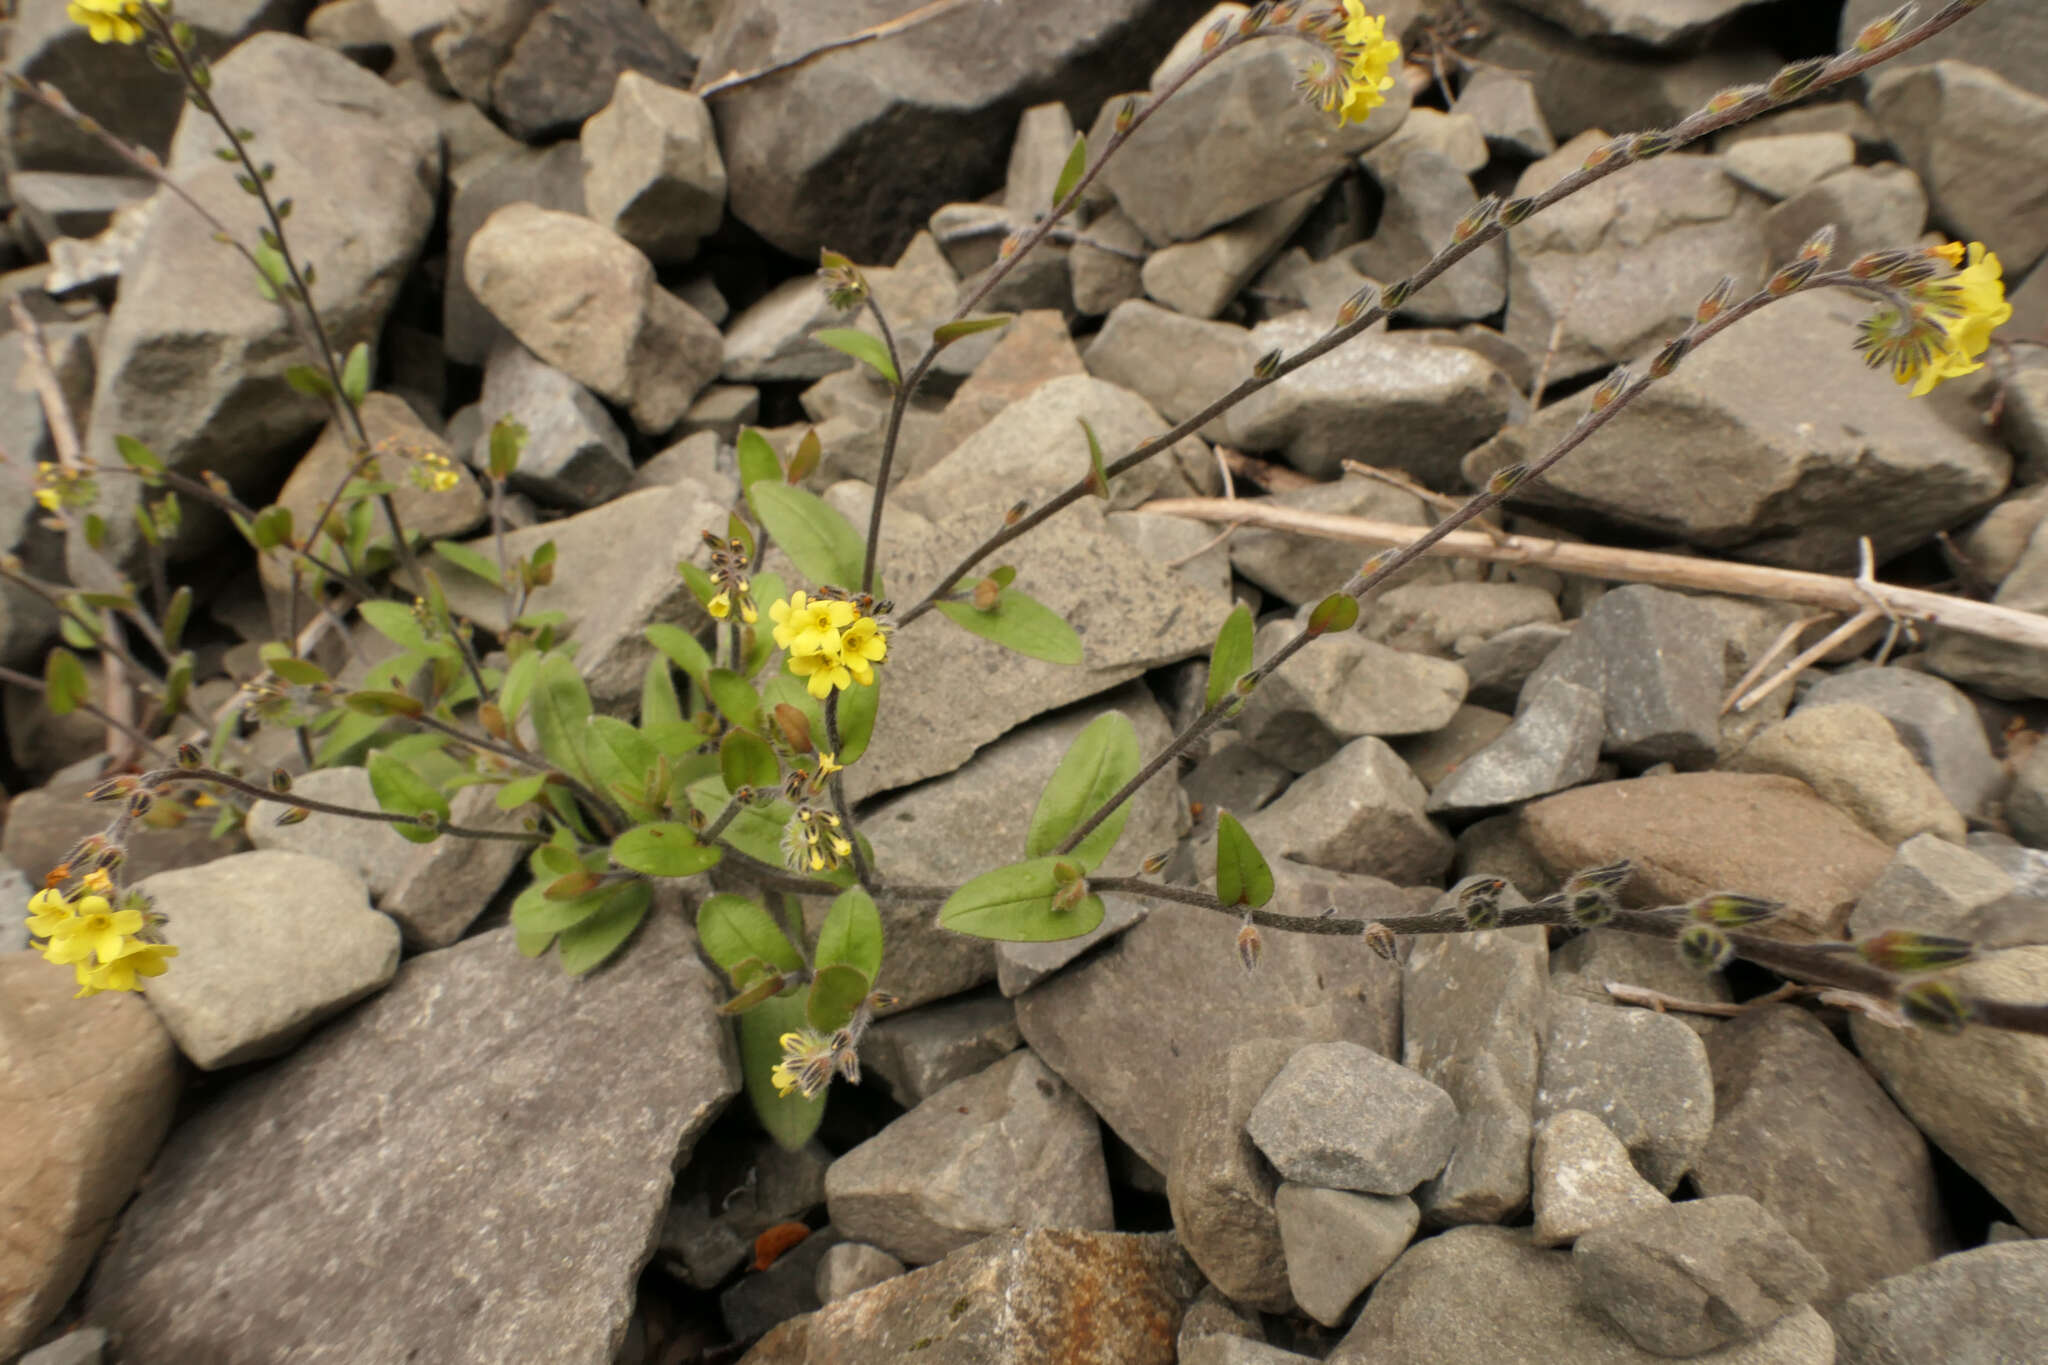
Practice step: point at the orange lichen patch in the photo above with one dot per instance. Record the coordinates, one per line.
(770, 1245)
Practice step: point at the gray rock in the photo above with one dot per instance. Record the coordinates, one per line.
(771, 338)
(723, 409)
(376, 853)
(43, 826)
(1456, 137)
(441, 887)
(1009, 1147)
(1236, 778)
(1497, 847)
(1999, 667)
(2026, 804)
(1427, 195)
(731, 1193)
(551, 178)
(1344, 1117)
(1209, 357)
(917, 1053)
(14, 894)
(568, 60)
(1654, 657)
(1554, 743)
(244, 985)
(1499, 667)
(1222, 1350)
(575, 455)
(88, 1093)
(1338, 1243)
(1434, 757)
(1973, 137)
(1361, 810)
(1656, 23)
(851, 409)
(754, 1304)
(1298, 569)
(2012, 40)
(1582, 1179)
(1189, 547)
(849, 1267)
(335, 1270)
(1472, 1008)
(1504, 106)
(1694, 1277)
(1644, 1074)
(1482, 1293)
(1172, 993)
(1105, 266)
(1214, 1315)
(585, 300)
(1784, 165)
(1218, 1186)
(54, 204)
(651, 170)
(1201, 277)
(1870, 207)
(2025, 424)
(1020, 966)
(86, 1346)
(1853, 757)
(1978, 1307)
(1936, 719)
(1801, 1128)
(1340, 688)
(1582, 966)
(1451, 620)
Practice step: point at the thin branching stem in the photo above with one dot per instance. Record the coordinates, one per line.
(167, 777)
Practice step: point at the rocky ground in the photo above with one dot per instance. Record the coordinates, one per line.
(354, 1125)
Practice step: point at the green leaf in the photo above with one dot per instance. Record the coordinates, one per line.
(665, 850)
(470, 561)
(137, 455)
(271, 527)
(1242, 877)
(310, 381)
(1102, 758)
(381, 704)
(520, 790)
(508, 442)
(822, 544)
(64, 684)
(533, 912)
(176, 615)
(756, 460)
(948, 333)
(517, 687)
(789, 1119)
(857, 707)
(698, 582)
(619, 758)
(355, 373)
(836, 992)
(561, 710)
(1020, 622)
(1231, 657)
(852, 934)
(1014, 905)
(1338, 611)
(395, 622)
(659, 704)
(862, 346)
(401, 791)
(1070, 174)
(732, 929)
(734, 697)
(1098, 477)
(592, 940)
(684, 651)
(745, 760)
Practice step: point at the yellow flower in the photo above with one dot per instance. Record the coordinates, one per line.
(97, 929)
(135, 960)
(828, 765)
(1967, 305)
(720, 606)
(1373, 57)
(806, 1064)
(810, 625)
(97, 881)
(106, 20)
(50, 499)
(49, 914)
(861, 645)
(821, 673)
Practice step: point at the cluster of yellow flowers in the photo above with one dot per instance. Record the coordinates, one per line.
(60, 486)
(809, 1058)
(831, 643)
(101, 944)
(108, 21)
(1947, 328)
(433, 473)
(1356, 83)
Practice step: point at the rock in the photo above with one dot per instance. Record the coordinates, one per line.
(1034, 349)
(1504, 106)
(1653, 656)
(1644, 1074)
(86, 1346)
(376, 853)
(651, 170)
(244, 987)
(614, 576)
(1935, 887)
(1340, 688)
(443, 886)
(724, 409)
(575, 455)
(568, 61)
(2026, 805)
(1998, 667)
(1344, 1117)
(1245, 124)
(918, 1053)
(1553, 744)
(1295, 280)
(1457, 138)
(1973, 138)
(851, 408)
(1235, 778)
(1582, 1179)
(1435, 756)
(1689, 1278)
(1483, 1293)
(2012, 41)
(1223, 1350)
(1472, 1009)
(755, 1304)
(1784, 165)
(1010, 1299)
(54, 204)
(1361, 810)
(1691, 833)
(1582, 967)
(1209, 357)
(1870, 208)
(2025, 426)
(1801, 1128)
(1625, 261)
(849, 1267)
(1218, 1186)
(1427, 194)
(916, 122)
(1188, 547)
(1300, 570)
(731, 1193)
(1981, 1093)
(1982, 1305)
(551, 178)
(1020, 966)
(1499, 667)
(585, 300)
(334, 1269)
(1453, 619)
(1853, 758)
(1172, 993)
(1655, 23)
(1387, 400)
(87, 1091)
(1338, 1243)
(1214, 1315)
(1496, 847)
(1936, 719)
(771, 338)
(1106, 263)
(43, 825)
(193, 358)
(1201, 277)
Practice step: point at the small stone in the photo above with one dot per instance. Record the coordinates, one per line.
(1219, 1188)
(1853, 757)
(1427, 196)
(918, 1053)
(1553, 744)
(1434, 757)
(1654, 23)
(1338, 1243)
(1214, 1315)
(550, 177)
(1870, 208)
(849, 1267)
(1299, 570)
(1361, 811)
(1782, 166)
(1344, 1117)
(1937, 720)
(1583, 965)
(1456, 137)
(1009, 1147)
(1504, 106)
(1451, 620)
(1989, 1305)
(1209, 357)
(1583, 1179)
(1339, 689)
(1106, 267)
(2001, 668)
(86, 1346)
(1498, 668)
(771, 339)
(1221, 1350)
(755, 1304)
(731, 1193)
(53, 204)
(1644, 1074)
(1034, 348)
(651, 170)
(375, 852)
(1654, 657)
(568, 60)
(1201, 277)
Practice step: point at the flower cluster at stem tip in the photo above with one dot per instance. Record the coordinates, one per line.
(1949, 324)
(108, 21)
(832, 644)
(1356, 82)
(104, 946)
(809, 1058)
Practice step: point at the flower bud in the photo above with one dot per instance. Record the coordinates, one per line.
(189, 756)
(1268, 364)
(1821, 245)
(1793, 276)
(1396, 294)
(1379, 938)
(1796, 79)
(1126, 114)
(1874, 264)
(1249, 946)
(1606, 877)
(1878, 32)
(1733, 910)
(1704, 948)
(1477, 219)
(1479, 902)
(1936, 1006)
(1646, 145)
(1612, 388)
(296, 815)
(280, 780)
(1591, 907)
(1668, 358)
(1358, 305)
(1716, 301)
(1902, 950)
(1733, 96)
(1506, 479)
(1515, 210)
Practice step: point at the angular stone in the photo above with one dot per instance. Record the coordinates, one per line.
(86, 1092)
(1553, 744)
(1339, 689)
(755, 1304)
(1936, 887)
(1504, 106)
(1784, 165)
(851, 410)
(86, 1346)
(1225, 1350)
(1434, 757)
(1201, 277)
(1344, 1117)
(1034, 349)
(1582, 967)
(377, 853)
(1172, 993)
(1582, 1179)
(1298, 569)
(1209, 357)
(651, 170)
(1644, 1074)
(1982, 1305)
(54, 204)
(1219, 1187)
(1854, 759)
(1802, 1128)
(1870, 207)
(1936, 719)
(575, 455)
(1105, 268)
(1020, 966)
(1695, 1277)
(1457, 138)
(44, 825)
(1338, 1243)
(1691, 833)
(551, 178)
(731, 1193)
(1453, 619)
(441, 887)
(917, 1053)
(2001, 668)
(1500, 667)
(849, 1267)
(1427, 195)
(771, 338)
(1362, 810)
(1472, 1008)
(567, 62)
(1656, 23)
(1187, 547)
(334, 1270)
